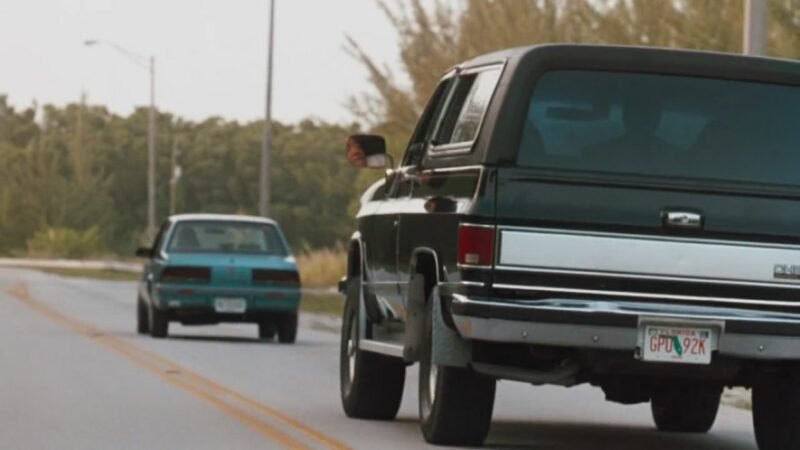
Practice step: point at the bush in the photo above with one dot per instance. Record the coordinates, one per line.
(65, 243)
(322, 268)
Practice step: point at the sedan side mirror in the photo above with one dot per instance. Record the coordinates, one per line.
(367, 151)
(144, 252)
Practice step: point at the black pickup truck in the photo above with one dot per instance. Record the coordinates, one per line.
(624, 217)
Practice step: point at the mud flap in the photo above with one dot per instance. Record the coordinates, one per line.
(415, 318)
(449, 349)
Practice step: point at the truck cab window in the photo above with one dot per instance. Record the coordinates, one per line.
(467, 106)
(422, 135)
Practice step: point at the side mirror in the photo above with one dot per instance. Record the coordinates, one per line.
(144, 252)
(367, 151)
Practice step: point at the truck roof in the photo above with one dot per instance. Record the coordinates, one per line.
(500, 129)
(641, 57)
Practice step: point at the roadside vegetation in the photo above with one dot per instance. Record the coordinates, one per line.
(322, 268)
(330, 304)
(65, 243)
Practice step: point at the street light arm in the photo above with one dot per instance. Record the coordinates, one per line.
(136, 58)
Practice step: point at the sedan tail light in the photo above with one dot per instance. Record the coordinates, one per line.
(283, 278)
(475, 245)
(186, 274)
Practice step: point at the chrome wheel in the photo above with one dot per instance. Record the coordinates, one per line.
(433, 373)
(370, 384)
(352, 347)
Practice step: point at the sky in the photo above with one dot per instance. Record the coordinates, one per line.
(210, 55)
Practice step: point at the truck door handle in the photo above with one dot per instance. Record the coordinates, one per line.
(682, 219)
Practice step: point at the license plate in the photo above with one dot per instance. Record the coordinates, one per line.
(677, 344)
(230, 305)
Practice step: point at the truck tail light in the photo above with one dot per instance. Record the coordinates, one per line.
(475, 245)
(186, 274)
(283, 278)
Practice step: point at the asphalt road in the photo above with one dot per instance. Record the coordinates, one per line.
(75, 375)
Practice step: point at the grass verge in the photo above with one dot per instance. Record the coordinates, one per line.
(329, 304)
(98, 274)
(319, 303)
(322, 268)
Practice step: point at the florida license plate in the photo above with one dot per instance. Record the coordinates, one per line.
(230, 305)
(677, 344)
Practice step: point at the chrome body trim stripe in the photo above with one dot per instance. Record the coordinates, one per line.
(645, 255)
(383, 348)
(473, 266)
(647, 277)
(626, 308)
(475, 225)
(453, 169)
(454, 284)
(647, 237)
(628, 294)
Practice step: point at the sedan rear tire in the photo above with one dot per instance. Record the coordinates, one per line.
(266, 331)
(142, 320)
(159, 323)
(287, 328)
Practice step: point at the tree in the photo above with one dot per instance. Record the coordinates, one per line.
(436, 37)
(81, 169)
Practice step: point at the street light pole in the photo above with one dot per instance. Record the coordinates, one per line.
(151, 155)
(755, 27)
(176, 175)
(266, 144)
(150, 65)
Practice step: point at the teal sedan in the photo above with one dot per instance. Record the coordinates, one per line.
(210, 268)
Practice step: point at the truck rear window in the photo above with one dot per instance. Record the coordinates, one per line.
(664, 126)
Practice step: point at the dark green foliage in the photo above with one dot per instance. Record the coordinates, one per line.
(81, 167)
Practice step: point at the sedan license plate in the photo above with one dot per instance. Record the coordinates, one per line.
(230, 305)
(677, 344)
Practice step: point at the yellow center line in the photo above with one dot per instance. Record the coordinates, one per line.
(188, 381)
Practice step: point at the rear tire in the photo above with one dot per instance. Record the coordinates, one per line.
(142, 321)
(682, 408)
(287, 328)
(159, 322)
(266, 331)
(776, 404)
(455, 404)
(371, 385)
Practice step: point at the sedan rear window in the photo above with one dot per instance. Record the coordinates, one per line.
(226, 237)
(664, 126)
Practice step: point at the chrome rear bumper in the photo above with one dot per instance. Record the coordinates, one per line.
(615, 325)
